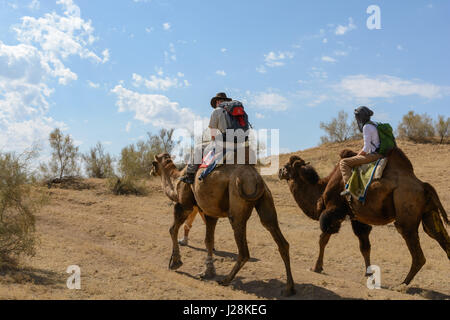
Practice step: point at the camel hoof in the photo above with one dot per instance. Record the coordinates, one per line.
(225, 282)
(175, 265)
(183, 242)
(207, 275)
(317, 270)
(288, 292)
(400, 288)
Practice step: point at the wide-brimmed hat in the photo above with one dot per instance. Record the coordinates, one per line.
(219, 96)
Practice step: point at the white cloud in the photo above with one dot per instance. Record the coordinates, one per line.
(223, 50)
(221, 73)
(93, 85)
(155, 109)
(167, 26)
(26, 68)
(340, 53)
(128, 127)
(259, 115)
(261, 69)
(341, 30)
(399, 47)
(159, 82)
(273, 59)
(171, 54)
(328, 59)
(269, 100)
(325, 40)
(34, 5)
(384, 86)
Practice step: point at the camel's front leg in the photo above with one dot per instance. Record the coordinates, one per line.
(324, 238)
(362, 231)
(210, 271)
(179, 216)
(187, 228)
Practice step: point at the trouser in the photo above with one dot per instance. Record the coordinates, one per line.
(348, 164)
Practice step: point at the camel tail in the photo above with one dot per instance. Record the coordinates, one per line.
(434, 200)
(259, 190)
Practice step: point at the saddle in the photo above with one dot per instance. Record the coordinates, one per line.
(363, 176)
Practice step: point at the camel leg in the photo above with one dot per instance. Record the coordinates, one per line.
(238, 221)
(362, 231)
(180, 215)
(418, 259)
(268, 216)
(210, 271)
(323, 241)
(433, 226)
(187, 228)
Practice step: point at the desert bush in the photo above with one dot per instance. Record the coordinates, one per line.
(19, 201)
(64, 161)
(442, 126)
(127, 186)
(98, 163)
(416, 127)
(339, 129)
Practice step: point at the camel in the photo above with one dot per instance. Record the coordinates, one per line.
(307, 188)
(399, 197)
(230, 191)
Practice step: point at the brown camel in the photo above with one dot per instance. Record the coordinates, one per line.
(307, 188)
(230, 191)
(398, 197)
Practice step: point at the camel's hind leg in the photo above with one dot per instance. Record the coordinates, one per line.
(238, 219)
(268, 216)
(433, 226)
(179, 216)
(210, 271)
(362, 231)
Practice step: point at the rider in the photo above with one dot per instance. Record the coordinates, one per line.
(218, 125)
(371, 145)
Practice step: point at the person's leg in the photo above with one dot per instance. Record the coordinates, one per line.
(348, 164)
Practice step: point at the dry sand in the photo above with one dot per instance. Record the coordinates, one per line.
(122, 246)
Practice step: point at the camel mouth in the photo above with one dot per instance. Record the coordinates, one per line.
(283, 175)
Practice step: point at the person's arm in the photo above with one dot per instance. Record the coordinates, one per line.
(213, 125)
(367, 141)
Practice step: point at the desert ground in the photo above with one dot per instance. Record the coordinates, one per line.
(122, 246)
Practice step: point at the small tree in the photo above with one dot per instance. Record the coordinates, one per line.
(65, 156)
(442, 126)
(416, 127)
(18, 203)
(339, 129)
(98, 163)
(163, 142)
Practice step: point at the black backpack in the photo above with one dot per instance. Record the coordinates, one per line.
(236, 116)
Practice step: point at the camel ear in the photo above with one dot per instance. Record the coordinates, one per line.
(294, 159)
(298, 164)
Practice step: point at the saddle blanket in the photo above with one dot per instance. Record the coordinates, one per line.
(363, 176)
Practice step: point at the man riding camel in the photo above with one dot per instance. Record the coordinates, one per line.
(222, 119)
(370, 151)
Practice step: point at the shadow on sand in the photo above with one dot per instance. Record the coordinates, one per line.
(428, 294)
(222, 254)
(30, 275)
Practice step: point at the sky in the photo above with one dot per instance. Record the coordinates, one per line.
(111, 71)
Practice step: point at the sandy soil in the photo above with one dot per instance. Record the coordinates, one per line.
(123, 247)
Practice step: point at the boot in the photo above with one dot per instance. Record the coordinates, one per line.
(189, 177)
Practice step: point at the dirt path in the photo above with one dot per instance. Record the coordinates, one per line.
(123, 247)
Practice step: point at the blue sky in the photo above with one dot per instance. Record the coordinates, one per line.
(111, 71)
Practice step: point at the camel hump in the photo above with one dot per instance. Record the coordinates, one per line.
(249, 184)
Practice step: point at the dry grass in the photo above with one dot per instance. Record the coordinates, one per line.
(123, 247)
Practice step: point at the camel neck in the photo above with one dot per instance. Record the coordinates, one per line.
(307, 195)
(169, 180)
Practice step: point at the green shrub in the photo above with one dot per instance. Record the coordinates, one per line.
(416, 127)
(339, 129)
(98, 163)
(19, 201)
(127, 186)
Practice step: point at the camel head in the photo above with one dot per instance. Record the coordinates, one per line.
(159, 163)
(299, 170)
